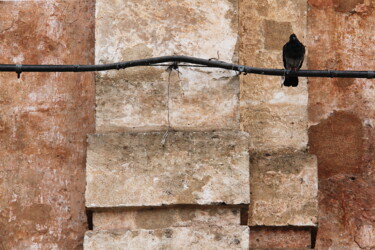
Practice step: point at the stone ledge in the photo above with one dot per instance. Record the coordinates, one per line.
(134, 169)
(284, 190)
(163, 217)
(230, 237)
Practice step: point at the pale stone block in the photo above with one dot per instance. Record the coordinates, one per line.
(162, 217)
(276, 126)
(137, 99)
(135, 169)
(133, 105)
(284, 190)
(229, 237)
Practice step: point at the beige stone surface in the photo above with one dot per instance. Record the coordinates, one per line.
(135, 169)
(275, 126)
(284, 190)
(138, 99)
(229, 237)
(162, 217)
(275, 116)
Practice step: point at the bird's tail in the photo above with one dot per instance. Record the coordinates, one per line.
(291, 81)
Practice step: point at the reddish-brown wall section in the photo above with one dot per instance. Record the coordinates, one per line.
(44, 119)
(342, 118)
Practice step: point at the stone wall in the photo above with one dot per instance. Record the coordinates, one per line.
(188, 158)
(168, 167)
(283, 180)
(132, 169)
(44, 120)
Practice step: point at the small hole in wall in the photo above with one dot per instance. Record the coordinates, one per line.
(244, 215)
(352, 178)
(314, 232)
(90, 223)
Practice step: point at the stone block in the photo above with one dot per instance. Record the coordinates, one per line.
(162, 217)
(229, 237)
(284, 190)
(276, 127)
(135, 169)
(280, 238)
(147, 98)
(125, 105)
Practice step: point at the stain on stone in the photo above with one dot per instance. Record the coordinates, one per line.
(262, 8)
(39, 213)
(218, 236)
(346, 6)
(276, 34)
(139, 51)
(232, 14)
(236, 241)
(154, 219)
(342, 6)
(344, 82)
(134, 234)
(282, 162)
(168, 233)
(338, 144)
(320, 4)
(195, 187)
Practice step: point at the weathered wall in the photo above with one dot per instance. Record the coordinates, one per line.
(276, 116)
(44, 119)
(341, 116)
(283, 177)
(184, 189)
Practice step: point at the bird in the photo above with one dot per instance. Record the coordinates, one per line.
(293, 55)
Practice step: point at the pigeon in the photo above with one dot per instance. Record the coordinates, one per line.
(293, 55)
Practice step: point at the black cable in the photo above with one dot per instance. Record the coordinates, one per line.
(19, 68)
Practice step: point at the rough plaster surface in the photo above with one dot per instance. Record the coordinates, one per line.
(191, 168)
(276, 117)
(44, 119)
(284, 190)
(229, 237)
(342, 115)
(161, 217)
(138, 99)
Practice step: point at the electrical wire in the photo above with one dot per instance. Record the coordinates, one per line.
(192, 62)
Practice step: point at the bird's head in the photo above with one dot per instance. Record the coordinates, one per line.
(293, 37)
